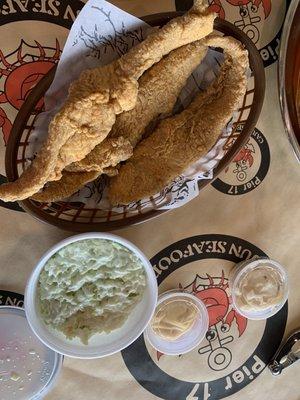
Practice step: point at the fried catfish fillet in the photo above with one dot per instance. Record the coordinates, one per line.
(58, 190)
(98, 96)
(181, 140)
(159, 88)
(112, 152)
(158, 92)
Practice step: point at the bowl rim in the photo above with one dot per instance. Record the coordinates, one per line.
(45, 335)
(31, 208)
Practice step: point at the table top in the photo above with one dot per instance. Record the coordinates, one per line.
(251, 209)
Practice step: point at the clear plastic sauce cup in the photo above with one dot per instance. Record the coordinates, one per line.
(190, 339)
(252, 283)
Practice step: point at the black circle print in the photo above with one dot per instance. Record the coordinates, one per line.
(250, 14)
(11, 299)
(161, 384)
(60, 12)
(248, 168)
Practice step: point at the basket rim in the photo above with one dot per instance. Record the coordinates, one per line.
(24, 113)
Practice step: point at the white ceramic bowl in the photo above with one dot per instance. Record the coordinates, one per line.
(100, 345)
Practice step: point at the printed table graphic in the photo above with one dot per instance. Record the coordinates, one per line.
(235, 350)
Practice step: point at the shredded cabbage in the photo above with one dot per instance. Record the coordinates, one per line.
(90, 286)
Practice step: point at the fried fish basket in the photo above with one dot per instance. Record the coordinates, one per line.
(78, 216)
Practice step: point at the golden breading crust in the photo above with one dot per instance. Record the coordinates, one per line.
(113, 151)
(157, 95)
(159, 88)
(58, 190)
(109, 154)
(97, 96)
(181, 140)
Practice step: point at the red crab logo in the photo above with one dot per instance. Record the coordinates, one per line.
(21, 76)
(213, 291)
(218, 303)
(248, 10)
(243, 160)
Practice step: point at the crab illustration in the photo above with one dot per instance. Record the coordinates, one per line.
(221, 318)
(243, 160)
(218, 304)
(20, 77)
(248, 10)
(216, 6)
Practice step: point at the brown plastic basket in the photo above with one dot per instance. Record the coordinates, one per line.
(77, 216)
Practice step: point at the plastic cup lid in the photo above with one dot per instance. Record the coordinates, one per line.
(28, 368)
(191, 338)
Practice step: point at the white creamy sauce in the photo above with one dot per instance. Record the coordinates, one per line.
(173, 318)
(259, 289)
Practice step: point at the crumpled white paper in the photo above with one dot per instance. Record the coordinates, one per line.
(100, 34)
